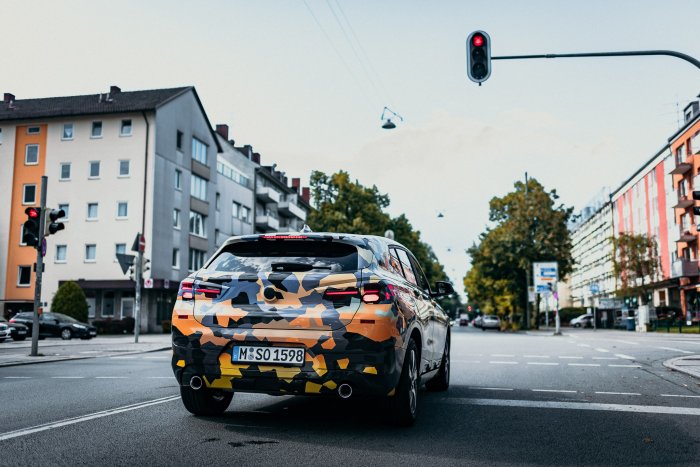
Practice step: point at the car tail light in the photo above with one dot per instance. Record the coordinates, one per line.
(341, 295)
(284, 237)
(378, 293)
(186, 289)
(13, 320)
(189, 288)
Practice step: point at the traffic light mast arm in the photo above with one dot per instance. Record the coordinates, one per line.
(671, 53)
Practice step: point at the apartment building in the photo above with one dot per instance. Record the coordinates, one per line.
(118, 163)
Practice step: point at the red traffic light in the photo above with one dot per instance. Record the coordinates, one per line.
(32, 213)
(478, 40)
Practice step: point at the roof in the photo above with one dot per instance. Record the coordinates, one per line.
(91, 104)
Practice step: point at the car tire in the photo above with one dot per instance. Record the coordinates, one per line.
(19, 338)
(404, 404)
(483, 328)
(441, 381)
(204, 401)
(66, 334)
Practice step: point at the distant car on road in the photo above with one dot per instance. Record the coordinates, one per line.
(56, 325)
(18, 331)
(490, 322)
(477, 321)
(464, 321)
(583, 321)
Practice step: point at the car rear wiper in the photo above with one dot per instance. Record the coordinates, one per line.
(296, 267)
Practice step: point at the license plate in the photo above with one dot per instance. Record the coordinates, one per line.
(93, 333)
(277, 355)
(21, 332)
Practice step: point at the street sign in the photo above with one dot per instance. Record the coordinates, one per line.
(595, 289)
(610, 303)
(139, 243)
(166, 283)
(546, 276)
(125, 261)
(148, 283)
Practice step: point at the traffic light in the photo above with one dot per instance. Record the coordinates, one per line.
(132, 272)
(31, 227)
(52, 226)
(469, 308)
(478, 56)
(146, 266)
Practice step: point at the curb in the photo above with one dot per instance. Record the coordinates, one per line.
(68, 358)
(671, 364)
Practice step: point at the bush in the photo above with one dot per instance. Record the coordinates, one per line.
(70, 300)
(114, 326)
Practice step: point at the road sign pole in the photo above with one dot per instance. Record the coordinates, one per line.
(138, 273)
(39, 270)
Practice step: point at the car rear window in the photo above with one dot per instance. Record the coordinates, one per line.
(286, 255)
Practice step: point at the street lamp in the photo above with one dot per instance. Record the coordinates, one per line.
(388, 124)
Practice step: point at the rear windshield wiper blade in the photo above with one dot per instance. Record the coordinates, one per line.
(296, 267)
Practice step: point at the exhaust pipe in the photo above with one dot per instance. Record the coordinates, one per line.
(345, 391)
(196, 383)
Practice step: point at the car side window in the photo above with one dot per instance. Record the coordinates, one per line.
(49, 316)
(406, 266)
(420, 275)
(394, 264)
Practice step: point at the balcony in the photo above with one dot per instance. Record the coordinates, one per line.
(267, 223)
(267, 194)
(681, 168)
(290, 209)
(684, 202)
(684, 268)
(686, 235)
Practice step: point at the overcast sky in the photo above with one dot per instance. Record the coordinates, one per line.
(305, 99)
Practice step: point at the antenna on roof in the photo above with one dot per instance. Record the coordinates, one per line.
(306, 229)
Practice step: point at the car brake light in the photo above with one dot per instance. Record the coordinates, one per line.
(186, 291)
(284, 237)
(340, 295)
(376, 293)
(13, 320)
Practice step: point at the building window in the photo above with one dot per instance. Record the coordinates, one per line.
(31, 154)
(235, 210)
(92, 211)
(61, 253)
(196, 259)
(24, 276)
(0, 135)
(178, 179)
(199, 151)
(124, 168)
(29, 194)
(96, 130)
(175, 260)
(198, 187)
(21, 236)
(33, 130)
(94, 169)
(122, 209)
(90, 252)
(67, 131)
(119, 249)
(176, 218)
(65, 171)
(66, 209)
(178, 140)
(198, 224)
(245, 214)
(126, 128)
(218, 200)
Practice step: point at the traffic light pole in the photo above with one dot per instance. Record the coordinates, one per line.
(39, 269)
(138, 266)
(632, 53)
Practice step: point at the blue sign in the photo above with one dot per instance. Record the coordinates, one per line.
(594, 288)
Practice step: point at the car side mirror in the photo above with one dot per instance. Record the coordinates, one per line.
(443, 288)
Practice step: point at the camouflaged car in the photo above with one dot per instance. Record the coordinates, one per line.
(312, 313)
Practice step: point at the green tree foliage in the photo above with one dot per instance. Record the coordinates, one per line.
(70, 300)
(529, 226)
(635, 262)
(346, 206)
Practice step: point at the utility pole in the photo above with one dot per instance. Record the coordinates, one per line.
(528, 265)
(40, 249)
(138, 274)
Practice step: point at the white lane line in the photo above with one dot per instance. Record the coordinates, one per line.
(625, 342)
(565, 391)
(600, 349)
(67, 377)
(464, 361)
(502, 355)
(571, 358)
(158, 358)
(17, 377)
(674, 350)
(619, 393)
(122, 358)
(83, 418)
(497, 362)
(110, 377)
(583, 345)
(626, 357)
(543, 363)
(536, 356)
(605, 358)
(679, 395)
(583, 364)
(493, 389)
(655, 409)
(624, 366)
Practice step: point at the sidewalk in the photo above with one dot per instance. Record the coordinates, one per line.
(54, 350)
(689, 365)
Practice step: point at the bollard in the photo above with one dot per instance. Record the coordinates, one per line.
(680, 326)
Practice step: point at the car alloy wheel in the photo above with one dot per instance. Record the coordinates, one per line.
(66, 334)
(413, 375)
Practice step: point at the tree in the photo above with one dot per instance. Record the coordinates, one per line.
(70, 300)
(529, 226)
(635, 262)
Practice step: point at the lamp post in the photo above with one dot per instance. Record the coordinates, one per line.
(388, 124)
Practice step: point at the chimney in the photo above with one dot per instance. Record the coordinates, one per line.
(306, 194)
(296, 184)
(256, 158)
(248, 151)
(222, 130)
(8, 97)
(114, 90)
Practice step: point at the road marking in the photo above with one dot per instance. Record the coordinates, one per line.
(583, 345)
(566, 391)
(122, 358)
(503, 363)
(465, 361)
(655, 409)
(583, 364)
(674, 350)
(543, 363)
(536, 356)
(165, 357)
(67, 377)
(599, 349)
(501, 355)
(621, 355)
(83, 418)
(571, 358)
(625, 366)
(493, 389)
(17, 377)
(160, 377)
(619, 393)
(604, 358)
(110, 377)
(679, 395)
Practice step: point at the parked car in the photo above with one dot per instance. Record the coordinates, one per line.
(583, 321)
(18, 331)
(56, 325)
(477, 321)
(464, 321)
(490, 322)
(4, 332)
(313, 313)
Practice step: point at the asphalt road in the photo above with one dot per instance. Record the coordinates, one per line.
(586, 398)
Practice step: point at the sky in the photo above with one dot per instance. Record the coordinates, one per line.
(305, 82)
